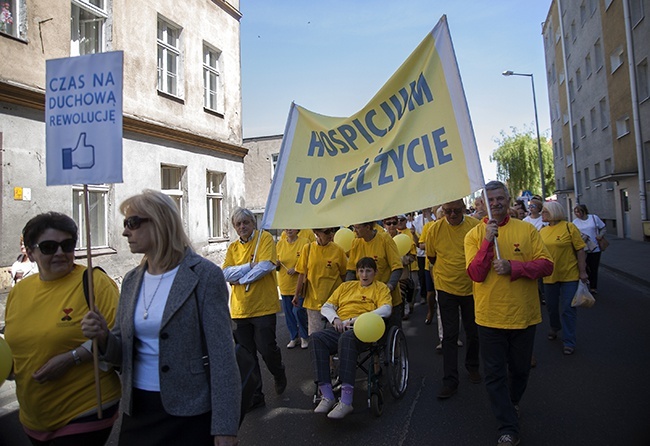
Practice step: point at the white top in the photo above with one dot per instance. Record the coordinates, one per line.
(145, 361)
(591, 227)
(537, 222)
(20, 270)
(419, 221)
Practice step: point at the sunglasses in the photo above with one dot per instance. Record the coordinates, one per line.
(134, 222)
(453, 211)
(390, 223)
(49, 247)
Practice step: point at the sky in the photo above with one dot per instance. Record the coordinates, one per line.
(332, 56)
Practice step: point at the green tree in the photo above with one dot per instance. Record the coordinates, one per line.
(518, 162)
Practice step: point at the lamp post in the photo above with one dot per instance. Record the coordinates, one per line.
(539, 143)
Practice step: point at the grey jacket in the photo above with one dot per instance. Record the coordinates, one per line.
(184, 386)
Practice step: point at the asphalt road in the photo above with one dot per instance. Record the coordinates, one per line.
(598, 396)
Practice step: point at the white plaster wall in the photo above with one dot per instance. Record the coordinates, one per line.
(258, 169)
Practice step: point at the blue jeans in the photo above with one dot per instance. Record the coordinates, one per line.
(506, 358)
(295, 317)
(562, 316)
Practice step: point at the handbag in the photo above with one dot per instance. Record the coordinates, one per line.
(603, 243)
(591, 245)
(583, 298)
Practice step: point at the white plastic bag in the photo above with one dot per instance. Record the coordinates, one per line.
(583, 297)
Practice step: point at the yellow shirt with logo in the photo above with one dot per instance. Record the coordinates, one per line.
(498, 301)
(383, 250)
(446, 243)
(43, 320)
(324, 266)
(563, 240)
(261, 298)
(288, 255)
(351, 299)
(423, 239)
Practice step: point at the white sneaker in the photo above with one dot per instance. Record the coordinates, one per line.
(340, 411)
(304, 343)
(325, 405)
(460, 343)
(292, 343)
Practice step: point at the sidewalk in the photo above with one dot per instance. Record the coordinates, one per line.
(628, 258)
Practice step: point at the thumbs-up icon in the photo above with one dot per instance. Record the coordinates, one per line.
(82, 156)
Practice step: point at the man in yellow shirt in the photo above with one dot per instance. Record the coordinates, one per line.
(507, 306)
(445, 250)
(249, 268)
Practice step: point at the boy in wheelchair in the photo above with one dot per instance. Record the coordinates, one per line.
(349, 300)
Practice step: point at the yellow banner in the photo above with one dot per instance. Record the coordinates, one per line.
(411, 147)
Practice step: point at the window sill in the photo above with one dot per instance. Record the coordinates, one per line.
(12, 37)
(95, 252)
(216, 240)
(213, 112)
(171, 96)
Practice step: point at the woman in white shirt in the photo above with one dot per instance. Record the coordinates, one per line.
(535, 218)
(592, 229)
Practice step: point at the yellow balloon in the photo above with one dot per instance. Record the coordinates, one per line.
(404, 243)
(5, 360)
(369, 327)
(343, 238)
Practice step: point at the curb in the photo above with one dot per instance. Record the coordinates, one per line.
(632, 277)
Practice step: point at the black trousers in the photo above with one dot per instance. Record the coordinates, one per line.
(257, 334)
(593, 261)
(449, 305)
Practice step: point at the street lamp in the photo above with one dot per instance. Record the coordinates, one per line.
(539, 143)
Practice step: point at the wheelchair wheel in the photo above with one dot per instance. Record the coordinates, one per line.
(397, 362)
(376, 403)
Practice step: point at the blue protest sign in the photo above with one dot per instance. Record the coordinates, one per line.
(83, 119)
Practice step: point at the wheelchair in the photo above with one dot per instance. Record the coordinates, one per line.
(385, 363)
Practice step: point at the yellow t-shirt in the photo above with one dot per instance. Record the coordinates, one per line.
(446, 243)
(43, 319)
(423, 239)
(383, 249)
(351, 299)
(324, 266)
(288, 255)
(563, 240)
(498, 301)
(261, 298)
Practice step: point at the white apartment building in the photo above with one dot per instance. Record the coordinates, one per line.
(182, 116)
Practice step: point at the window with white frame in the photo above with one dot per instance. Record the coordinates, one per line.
(13, 17)
(636, 11)
(616, 58)
(643, 81)
(212, 86)
(583, 128)
(604, 113)
(592, 118)
(593, 5)
(561, 147)
(571, 91)
(583, 13)
(587, 179)
(588, 68)
(169, 58)
(622, 126)
(579, 78)
(97, 211)
(574, 32)
(214, 190)
(598, 55)
(597, 170)
(171, 183)
(87, 22)
(274, 163)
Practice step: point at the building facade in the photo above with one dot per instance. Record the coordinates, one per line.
(599, 97)
(182, 129)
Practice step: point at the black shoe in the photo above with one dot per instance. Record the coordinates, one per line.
(447, 392)
(474, 376)
(281, 384)
(258, 401)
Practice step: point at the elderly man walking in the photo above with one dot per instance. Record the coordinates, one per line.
(506, 303)
(445, 250)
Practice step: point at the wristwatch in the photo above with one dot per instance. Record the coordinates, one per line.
(75, 355)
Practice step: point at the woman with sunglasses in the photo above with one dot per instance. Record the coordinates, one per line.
(172, 336)
(53, 368)
(322, 267)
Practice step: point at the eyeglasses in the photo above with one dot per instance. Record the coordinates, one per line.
(390, 223)
(134, 222)
(450, 211)
(532, 206)
(49, 247)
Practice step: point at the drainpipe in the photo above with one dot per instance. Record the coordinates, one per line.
(635, 110)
